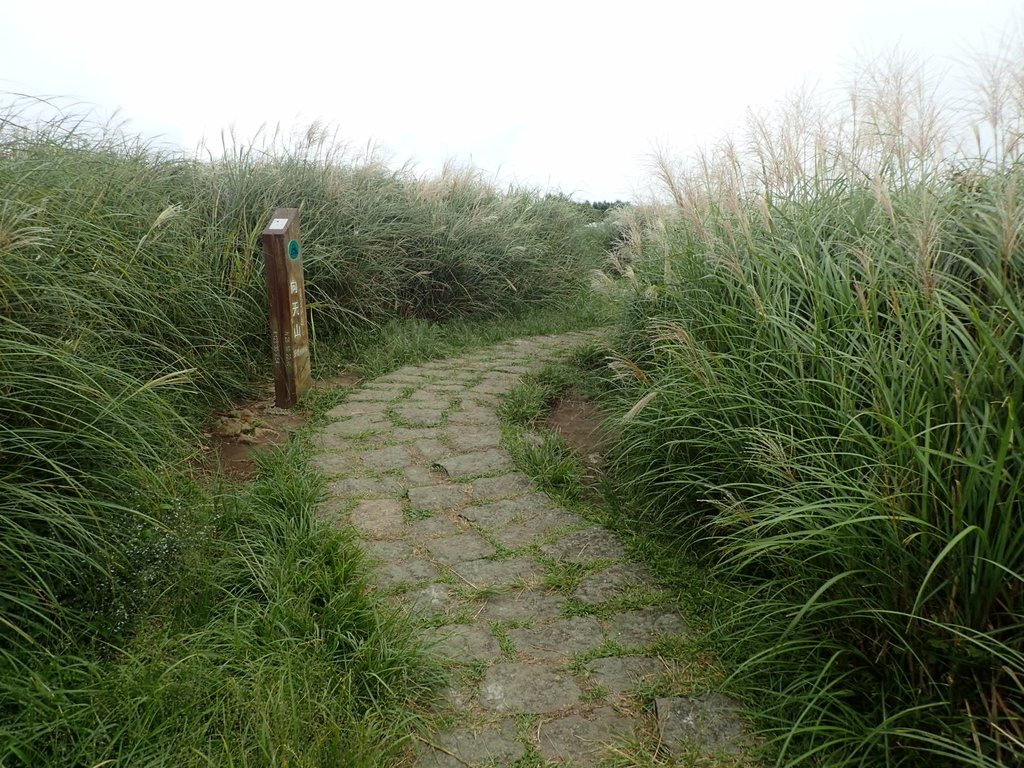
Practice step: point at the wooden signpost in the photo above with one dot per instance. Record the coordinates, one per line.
(289, 333)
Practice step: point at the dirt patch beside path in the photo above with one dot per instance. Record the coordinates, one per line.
(580, 423)
(238, 434)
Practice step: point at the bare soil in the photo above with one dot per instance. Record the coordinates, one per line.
(237, 435)
(579, 422)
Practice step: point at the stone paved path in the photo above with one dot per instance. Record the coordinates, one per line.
(546, 626)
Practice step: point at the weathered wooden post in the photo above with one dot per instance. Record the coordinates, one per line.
(289, 333)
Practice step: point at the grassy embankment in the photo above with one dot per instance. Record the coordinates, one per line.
(818, 387)
(148, 616)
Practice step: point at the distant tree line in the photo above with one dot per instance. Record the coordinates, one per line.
(604, 205)
(594, 211)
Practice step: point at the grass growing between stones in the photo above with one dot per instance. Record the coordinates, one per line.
(561, 472)
(582, 487)
(563, 576)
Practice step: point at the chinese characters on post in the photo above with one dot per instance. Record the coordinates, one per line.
(288, 334)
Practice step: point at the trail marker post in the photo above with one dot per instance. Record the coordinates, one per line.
(289, 332)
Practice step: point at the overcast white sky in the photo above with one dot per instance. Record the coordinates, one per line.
(556, 94)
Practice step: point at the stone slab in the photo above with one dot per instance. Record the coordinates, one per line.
(367, 487)
(431, 449)
(429, 397)
(437, 497)
(435, 527)
(377, 394)
(622, 674)
(388, 550)
(557, 640)
(498, 514)
(378, 518)
(536, 528)
(412, 434)
(383, 459)
(467, 439)
(710, 723)
(335, 464)
(611, 582)
(357, 425)
(501, 486)
(467, 465)
(466, 643)
(583, 742)
(426, 417)
(481, 416)
(334, 509)
(493, 387)
(498, 573)
(357, 408)
(418, 475)
(586, 546)
(395, 574)
(513, 366)
(458, 698)
(448, 385)
(527, 688)
(404, 378)
(496, 745)
(643, 628)
(490, 516)
(432, 600)
(523, 605)
(461, 548)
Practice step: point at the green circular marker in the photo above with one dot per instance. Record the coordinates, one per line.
(293, 249)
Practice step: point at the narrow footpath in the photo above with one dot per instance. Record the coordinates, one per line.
(471, 546)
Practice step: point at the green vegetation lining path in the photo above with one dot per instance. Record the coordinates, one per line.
(483, 559)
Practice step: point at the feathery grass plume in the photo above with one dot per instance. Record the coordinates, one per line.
(836, 337)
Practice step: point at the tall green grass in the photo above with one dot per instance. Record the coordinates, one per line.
(819, 382)
(132, 293)
(131, 305)
(264, 648)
